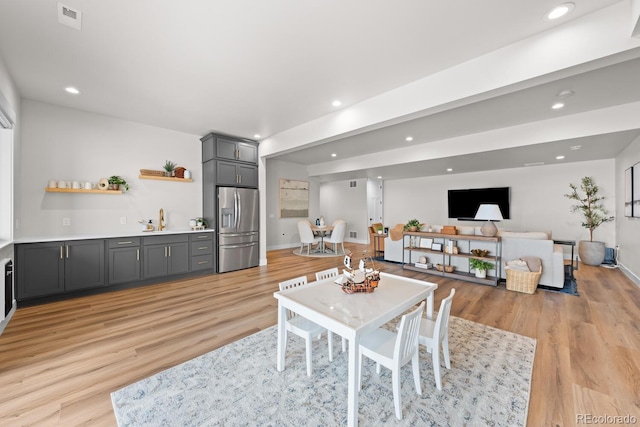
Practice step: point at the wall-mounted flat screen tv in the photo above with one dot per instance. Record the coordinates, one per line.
(463, 204)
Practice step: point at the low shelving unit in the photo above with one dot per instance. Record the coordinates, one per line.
(445, 258)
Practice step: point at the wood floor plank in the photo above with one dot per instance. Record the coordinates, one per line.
(59, 362)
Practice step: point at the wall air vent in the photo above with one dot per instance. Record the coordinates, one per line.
(69, 17)
(353, 184)
(353, 234)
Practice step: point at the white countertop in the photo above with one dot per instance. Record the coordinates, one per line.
(140, 233)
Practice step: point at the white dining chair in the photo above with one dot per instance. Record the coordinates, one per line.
(337, 235)
(394, 350)
(327, 274)
(303, 327)
(435, 334)
(306, 236)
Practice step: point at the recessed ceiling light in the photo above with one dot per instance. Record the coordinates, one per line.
(333, 154)
(449, 169)
(575, 147)
(336, 103)
(558, 105)
(256, 136)
(379, 177)
(72, 90)
(409, 139)
(559, 11)
(559, 157)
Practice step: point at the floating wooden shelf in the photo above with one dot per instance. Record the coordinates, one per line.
(165, 178)
(80, 190)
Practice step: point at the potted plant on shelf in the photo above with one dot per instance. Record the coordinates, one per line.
(412, 225)
(480, 266)
(169, 167)
(116, 181)
(201, 221)
(594, 214)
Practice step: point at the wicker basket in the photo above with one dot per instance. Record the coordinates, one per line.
(149, 172)
(522, 281)
(445, 268)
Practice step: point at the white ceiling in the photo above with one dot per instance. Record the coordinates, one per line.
(264, 67)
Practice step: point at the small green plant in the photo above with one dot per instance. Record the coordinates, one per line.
(117, 180)
(593, 211)
(169, 166)
(479, 264)
(202, 221)
(412, 223)
(379, 228)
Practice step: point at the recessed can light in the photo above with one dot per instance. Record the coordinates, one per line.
(333, 154)
(256, 136)
(559, 11)
(409, 139)
(559, 157)
(379, 177)
(72, 90)
(336, 103)
(558, 105)
(449, 170)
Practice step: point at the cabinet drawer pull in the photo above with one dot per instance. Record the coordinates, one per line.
(203, 262)
(61, 257)
(165, 251)
(125, 243)
(169, 250)
(203, 237)
(67, 251)
(202, 248)
(137, 254)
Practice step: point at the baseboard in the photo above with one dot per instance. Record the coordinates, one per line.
(635, 279)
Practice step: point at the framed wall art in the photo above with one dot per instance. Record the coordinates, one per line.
(628, 192)
(635, 190)
(294, 198)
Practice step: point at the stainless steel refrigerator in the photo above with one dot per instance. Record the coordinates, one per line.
(238, 228)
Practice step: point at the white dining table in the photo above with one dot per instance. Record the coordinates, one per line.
(351, 315)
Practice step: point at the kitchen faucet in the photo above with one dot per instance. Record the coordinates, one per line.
(161, 223)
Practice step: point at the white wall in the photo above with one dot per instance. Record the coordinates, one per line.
(627, 229)
(338, 200)
(66, 144)
(283, 232)
(537, 198)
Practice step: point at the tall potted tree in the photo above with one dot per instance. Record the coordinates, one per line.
(594, 214)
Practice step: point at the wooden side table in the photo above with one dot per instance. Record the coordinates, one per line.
(378, 244)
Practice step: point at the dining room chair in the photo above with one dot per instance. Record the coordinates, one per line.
(327, 274)
(393, 350)
(435, 334)
(306, 235)
(303, 327)
(337, 235)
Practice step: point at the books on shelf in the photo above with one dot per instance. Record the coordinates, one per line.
(423, 265)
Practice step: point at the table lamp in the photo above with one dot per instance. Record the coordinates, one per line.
(489, 213)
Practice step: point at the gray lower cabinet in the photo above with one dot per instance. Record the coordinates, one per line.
(165, 255)
(201, 251)
(124, 260)
(56, 267)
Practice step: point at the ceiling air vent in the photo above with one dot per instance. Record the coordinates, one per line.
(353, 184)
(69, 16)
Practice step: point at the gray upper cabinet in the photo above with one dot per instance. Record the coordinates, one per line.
(229, 148)
(57, 267)
(236, 174)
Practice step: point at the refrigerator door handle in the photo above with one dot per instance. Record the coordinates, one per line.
(244, 245)
(239, 210)
(236, 210)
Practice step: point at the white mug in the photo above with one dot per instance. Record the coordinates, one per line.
(187, 174)
(88, 185)
(75, 185)
(53, 184)
(62, 184)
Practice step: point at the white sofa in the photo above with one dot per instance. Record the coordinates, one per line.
(538, 244)
(514, 245)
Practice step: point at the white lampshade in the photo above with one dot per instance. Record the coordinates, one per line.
(489, 213)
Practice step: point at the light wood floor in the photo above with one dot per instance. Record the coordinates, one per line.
(59, 362)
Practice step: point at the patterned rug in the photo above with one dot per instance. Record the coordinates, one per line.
(238, 385)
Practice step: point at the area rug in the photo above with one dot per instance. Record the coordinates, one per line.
(570, 285)
(303, 252)
(239, 385)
